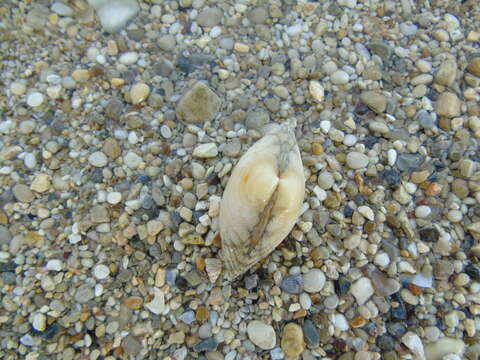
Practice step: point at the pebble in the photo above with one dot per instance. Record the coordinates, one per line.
(357, 160)
(443, 347)
(206, 345)
(422, 211)
(114, 197)
(23, 193)
(292, 284)
(446, 72)
(139, 92)
(313, 280)
(131, 345)
(474, 66)
(18, 88)
(413, 342)
(115, 14)
(84, 294)
(292, 340)
(54, 265)
(35, 99)
(205, 151)
(40, 183)
(210, 17)
(362, 290)
(310, 331)
(128, 58)
(30, 161)
(317, 91)
(256, 119)
(375, 101)
(101, 271)
(98, 159)
(339, 77)
(39, 322)
(261, 334)
(198, 104)
(448, 105)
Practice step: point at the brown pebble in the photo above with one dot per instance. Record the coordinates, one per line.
(358, 321)
(300, 314)
(200, 263)
(433, 189)
(292, 340)
(414, 289)
(134, 302)
(317, 149)
(202, 314)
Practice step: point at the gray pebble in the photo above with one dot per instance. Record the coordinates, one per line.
(292, 284)
(84, 294)
(255, 119)
(409, 162)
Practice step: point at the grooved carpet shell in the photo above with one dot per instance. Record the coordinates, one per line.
(262, 200)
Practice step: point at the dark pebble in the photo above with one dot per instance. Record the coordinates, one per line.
(385, 343)
(50, 331)
(171, 276)
(390, 177)
(396, 329)
(292, 284)
(7, 266)
(409, 162)
(473, 271)
(399, 312)
(310, 331)
(124, 275)
(370, 141)
(181, 283)
(176, 220)
(9, 278)
(185, 65)
(251, 282)
(97, 176)
(342, 285)
(206, 345)
(429, 234)
(347, 211)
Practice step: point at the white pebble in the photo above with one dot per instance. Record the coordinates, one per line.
(18, 88)
(339, 77)
(35, 99)
(30, 161)
(366, 212)
(133, 138)
(325, 125)
(454, 216)
(382, 259)
(54, 265)
(316, 90)
(98, 159)
(128, 58)
(349, 140)
(305, 301)
(101, 271)
(340, 322)
(166, 132)
(114, 197)
(294, 30)
(422, 211)
(392, 157)
(313, 280)
(215, 32)
(39, 322)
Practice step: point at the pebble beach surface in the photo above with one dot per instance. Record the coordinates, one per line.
(122, 120)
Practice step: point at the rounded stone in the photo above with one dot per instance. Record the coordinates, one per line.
(339, 77)
(114, 197)
(35, 99)
(292, 340)
(98, 159)
(357, 160)
(23, 193)
(261, 334)
(422, 211)
(101, 271)
(128, 58)
(139, 92)
(39, 322)
(448, 105)
(374, 100)
(18, 88)
(325, 180)
(313, 280)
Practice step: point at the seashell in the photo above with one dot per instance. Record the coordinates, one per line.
(262, 200)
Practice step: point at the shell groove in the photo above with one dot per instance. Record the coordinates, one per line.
(262, 200)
